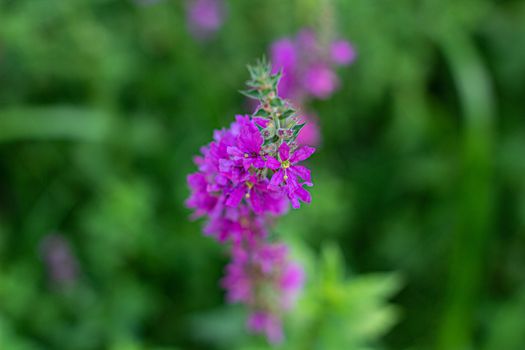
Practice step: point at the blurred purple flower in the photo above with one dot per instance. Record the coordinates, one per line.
(310, 133)
(308, 69)
(261, 275)
(267, 323)
(58, 257)
(205, 17)
(284, 58)
(343, 53)
(308, 65)
(320, 81)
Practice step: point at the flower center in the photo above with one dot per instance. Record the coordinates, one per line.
(246, 155)
(250, 186)
(285, 164)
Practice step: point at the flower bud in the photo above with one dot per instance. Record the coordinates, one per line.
(269, 131)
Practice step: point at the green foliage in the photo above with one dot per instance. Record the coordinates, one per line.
(337, 312)
(103, 103)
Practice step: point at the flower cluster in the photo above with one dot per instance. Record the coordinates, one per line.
(247, 176)
(261, 276)
(307, 65)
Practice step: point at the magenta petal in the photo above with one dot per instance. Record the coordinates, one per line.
(303, 195)
(261, 122)
(276, 180)
(274, 332)
(292, 278)
(197, 180)
(291, 180)
(259, 163)
(295, 202)
(303, 172)
(225, 165)
(299, 193)
(247, 163)
(284, 151)
(257, 321)
(234, 151)
(320, 81)
(284, 55)
(342, 52)
(236, 196)
(257, 202)
(272, 163)
(301, 154)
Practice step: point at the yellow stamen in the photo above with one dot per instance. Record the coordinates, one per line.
(285, 177)
(285, 164)
(246, 155)
(250, 186)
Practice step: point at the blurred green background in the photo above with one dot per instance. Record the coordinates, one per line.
(415, 238)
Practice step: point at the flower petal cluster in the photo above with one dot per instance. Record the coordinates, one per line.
(308, 68)
(308, 65)
(247, 177)
(256, 271)
(238, 177)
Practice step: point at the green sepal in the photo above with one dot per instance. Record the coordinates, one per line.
(275, 79)
(287, 113)
(262, 114)
(254, 94)
(277, 102)
(272, 140)
(297, 128)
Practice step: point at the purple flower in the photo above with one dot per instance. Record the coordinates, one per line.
(205, 17)
(307, 41)
(308, 65)
(288, 173)
(310, 133)
(320, 81)
(262, 276)
(247, 176)
(267, 323)
(291, 282)
(255, 192)
(201, 200)
(284, 54)
(61, 264)
(284, 59)
(248, 148)
(342, 52)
